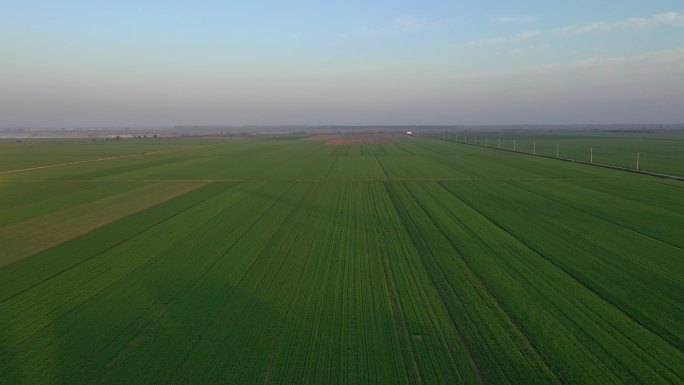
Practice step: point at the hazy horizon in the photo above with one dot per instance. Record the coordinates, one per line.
(78, 64)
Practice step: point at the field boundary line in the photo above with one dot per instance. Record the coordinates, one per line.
(201, 337)
(104, 159)
(103, 289)
(35, 234)
(542, 195)
(121, 353)
(382, 167)
(398, 314)
(124, 351)
(514, 320)
(534, 251)
(600, 316)
(109, 248)
(565, 271)
(453, 322)
(569, 160)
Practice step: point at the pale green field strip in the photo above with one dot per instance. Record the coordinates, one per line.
(25, 238)
(29, 272)
(39, 199)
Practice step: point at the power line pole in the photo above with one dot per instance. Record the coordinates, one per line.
(556, 150)
(534, 148)
(638, 160)
(591, 155)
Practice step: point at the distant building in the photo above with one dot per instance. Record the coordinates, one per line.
(409, 132)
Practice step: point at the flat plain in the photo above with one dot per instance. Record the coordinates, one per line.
(660, 151)
(300, 261)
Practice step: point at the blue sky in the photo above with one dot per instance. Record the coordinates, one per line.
(134, 63)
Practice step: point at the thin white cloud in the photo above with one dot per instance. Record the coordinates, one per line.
(522, 36)
(398, 25)
(413, 23)
(663, 19)
(669, 19)
(664, 61)
(515, 19)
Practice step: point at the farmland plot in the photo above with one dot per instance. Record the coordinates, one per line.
(301, 262)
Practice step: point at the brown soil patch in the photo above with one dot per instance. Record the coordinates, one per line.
(347, 139)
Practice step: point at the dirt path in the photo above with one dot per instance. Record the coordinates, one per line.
(106, 158)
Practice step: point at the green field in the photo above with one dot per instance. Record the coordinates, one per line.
(292, 261)
(659, 151)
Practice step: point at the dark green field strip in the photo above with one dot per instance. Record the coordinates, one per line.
(222, 313)
(639, 213)
(62, 198)
(408, 167)
(33, 153)
(498, 348)
(141, 273)
(15, 194)
(661, 193)
(129, 168)
(195, 286)
(582, 337)
(639, 275)
(360, 168)
(268, 280)
(313, 343)
(479, 162)
(294, 160)
(437, 346)
(43, 301)
(31, 271)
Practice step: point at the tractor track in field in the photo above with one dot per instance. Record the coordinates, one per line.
(560, 202)
(568, 273)
(440, 295)
(399, 321)
(514, 320)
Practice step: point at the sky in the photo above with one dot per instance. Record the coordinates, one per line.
(263, 62)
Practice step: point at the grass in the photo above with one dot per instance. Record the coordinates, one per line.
(292, 261)
(54, 225)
